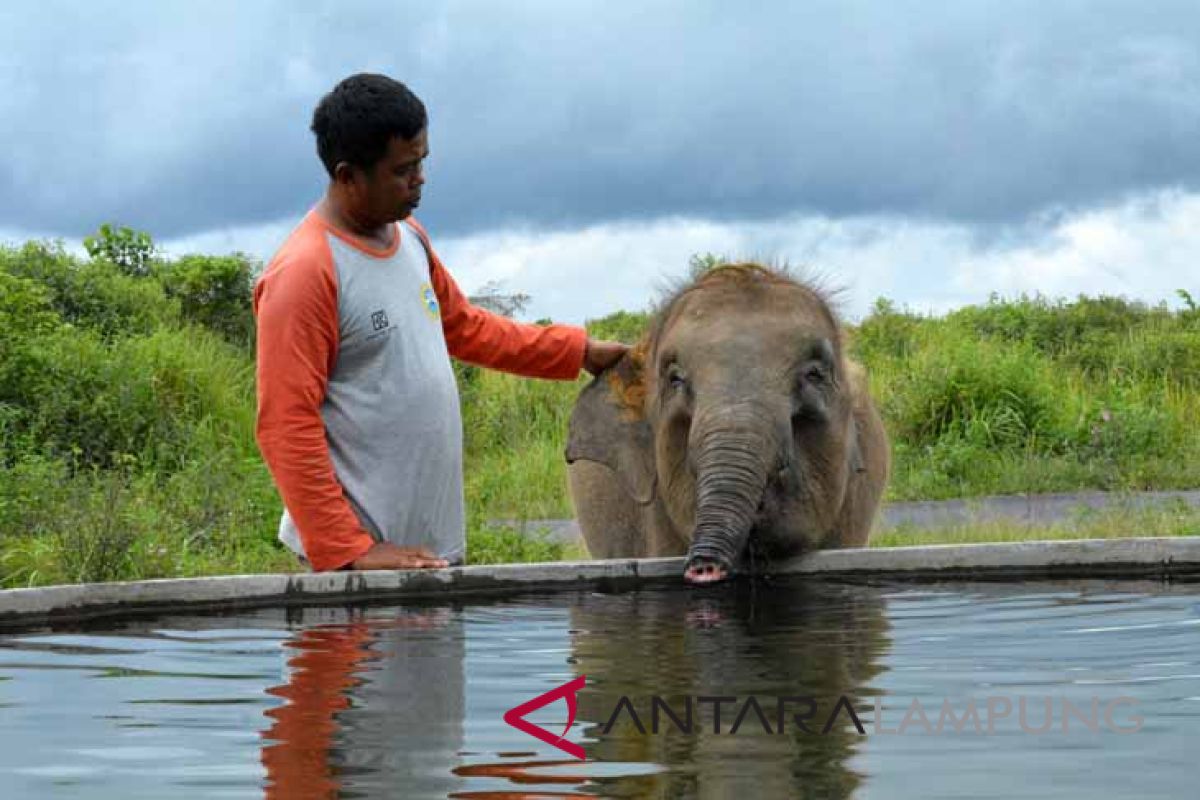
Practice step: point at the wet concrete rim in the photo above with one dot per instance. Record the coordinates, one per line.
(1164, 558)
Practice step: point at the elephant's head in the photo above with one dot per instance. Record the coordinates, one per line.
(736, 414)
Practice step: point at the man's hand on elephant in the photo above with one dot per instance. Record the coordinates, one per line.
(601, 355)
(385, 555)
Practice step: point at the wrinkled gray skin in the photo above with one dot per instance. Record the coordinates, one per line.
(736, 428)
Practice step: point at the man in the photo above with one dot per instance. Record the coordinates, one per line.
(358, 411)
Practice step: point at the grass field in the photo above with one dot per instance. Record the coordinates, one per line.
(127, 417)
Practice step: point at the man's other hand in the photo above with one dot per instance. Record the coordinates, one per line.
(601, 355)
(385, 555)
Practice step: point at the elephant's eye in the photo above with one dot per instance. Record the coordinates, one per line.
(676, 379)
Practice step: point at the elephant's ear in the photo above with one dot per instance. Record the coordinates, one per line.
(854, 456)
(853, 451)
(608, 425)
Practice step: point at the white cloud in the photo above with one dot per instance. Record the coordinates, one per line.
(1145, 248)
(259, 241)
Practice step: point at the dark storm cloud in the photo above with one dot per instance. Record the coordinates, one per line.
(179, 117)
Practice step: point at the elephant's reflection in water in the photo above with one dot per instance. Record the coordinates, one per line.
(372, 707)
(754, 639)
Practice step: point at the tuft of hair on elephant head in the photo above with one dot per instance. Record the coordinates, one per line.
(736, 430)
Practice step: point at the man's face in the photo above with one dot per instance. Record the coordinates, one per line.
(391, 189)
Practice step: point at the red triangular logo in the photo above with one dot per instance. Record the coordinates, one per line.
(516, 716)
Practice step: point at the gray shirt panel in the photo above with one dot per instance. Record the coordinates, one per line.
(391, 409)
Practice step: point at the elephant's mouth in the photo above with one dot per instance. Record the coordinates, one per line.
(767, 539)
(769, 517)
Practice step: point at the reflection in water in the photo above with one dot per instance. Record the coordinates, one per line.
(523, 773)
(325, 667)
(766, 640)
(373, 707)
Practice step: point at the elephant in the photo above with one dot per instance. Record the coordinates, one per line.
(736, 431)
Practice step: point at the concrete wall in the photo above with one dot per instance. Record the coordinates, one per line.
(1174, 558)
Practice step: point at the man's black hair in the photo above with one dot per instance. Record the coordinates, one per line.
(356, 121)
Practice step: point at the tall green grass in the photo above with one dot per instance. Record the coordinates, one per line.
(127, 415)
(126, 430)
(1034, 396)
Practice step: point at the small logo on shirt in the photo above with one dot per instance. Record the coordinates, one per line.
(430, 301)
(379, 320)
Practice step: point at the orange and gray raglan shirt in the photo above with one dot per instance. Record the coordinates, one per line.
(358, 411)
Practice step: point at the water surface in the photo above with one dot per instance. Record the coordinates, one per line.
(409, 701)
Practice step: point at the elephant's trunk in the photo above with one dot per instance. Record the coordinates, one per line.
(732, 463)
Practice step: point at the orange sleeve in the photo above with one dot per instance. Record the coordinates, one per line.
(295, 303)
(480, 337)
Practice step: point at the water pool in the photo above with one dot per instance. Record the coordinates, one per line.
(410, 701)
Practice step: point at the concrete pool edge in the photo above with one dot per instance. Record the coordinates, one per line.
(1164, 558)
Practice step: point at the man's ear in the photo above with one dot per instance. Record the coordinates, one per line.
(345, 173)
(608, 426)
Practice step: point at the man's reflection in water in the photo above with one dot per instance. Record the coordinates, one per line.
(770, 640)
(372, 706)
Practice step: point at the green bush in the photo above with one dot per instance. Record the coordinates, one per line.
(26, 321)
(1030, 395)
(885, 334)
(1158, 357)
(58, 525)
(1124, 424)
(142, 396)
(115, 299)
(215, 292)
(621, 326)
(989, 394)
(93, 295)
(25, 309)
(130, 251)
(1056, 327)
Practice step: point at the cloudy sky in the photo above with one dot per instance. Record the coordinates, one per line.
(929, 152)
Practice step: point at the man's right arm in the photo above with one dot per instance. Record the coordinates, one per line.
(295, 303)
